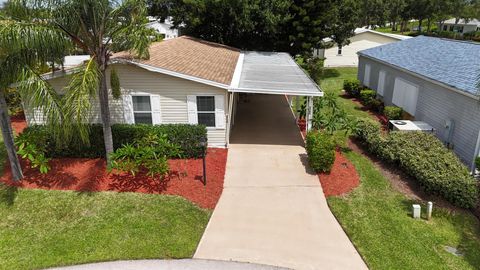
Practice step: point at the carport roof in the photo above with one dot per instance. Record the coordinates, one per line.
(272, 73)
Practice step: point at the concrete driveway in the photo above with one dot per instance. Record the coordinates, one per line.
(272, 210)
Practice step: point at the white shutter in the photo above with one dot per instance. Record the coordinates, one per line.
(192, 110)
(398, 93)
(220, 111)
(381, 82)
(405, 95)
(156, 112)
(366, 75)
(128, 109)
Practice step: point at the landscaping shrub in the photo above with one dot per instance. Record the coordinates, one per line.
(352, 87)
(367, 96)
(477, 163)
(376, 105)
(186, 136)
(424, 157)
(393, 112)
(321, 151)
(32, 146)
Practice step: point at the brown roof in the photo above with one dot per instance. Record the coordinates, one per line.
(193, 57)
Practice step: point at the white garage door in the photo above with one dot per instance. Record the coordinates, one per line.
(405, 95)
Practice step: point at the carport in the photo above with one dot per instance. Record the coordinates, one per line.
(269, 79)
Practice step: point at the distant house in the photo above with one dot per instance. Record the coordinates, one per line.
(165, 28)
(461, 26)
(434, 80)
(192, 81)
(337, 56)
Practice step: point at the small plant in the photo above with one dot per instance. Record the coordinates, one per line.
(367, 97)
(352, 87)
(393, 112)
(477, 163)
(302, 112)
(321, 151)
(31, 148)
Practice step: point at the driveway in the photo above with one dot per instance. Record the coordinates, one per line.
(272, 210)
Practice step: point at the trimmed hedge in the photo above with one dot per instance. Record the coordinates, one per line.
(367, 96)
(393, 112)
(321, 151)
(185, 136)
(422, 156)
(352, 87)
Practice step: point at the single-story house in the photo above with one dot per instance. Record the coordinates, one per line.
(346, 56)
(462, 26)
(435, 81)
(188, 80)
(165, 28)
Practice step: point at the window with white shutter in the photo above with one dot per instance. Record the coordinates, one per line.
(366, 75)
(381, 82)
(208, 110)
(405, 95)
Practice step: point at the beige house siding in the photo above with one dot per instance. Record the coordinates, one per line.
(173, 94)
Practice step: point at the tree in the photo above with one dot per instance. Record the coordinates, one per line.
(394, 9)
(23, 46)
(346, 18)
(97, 27)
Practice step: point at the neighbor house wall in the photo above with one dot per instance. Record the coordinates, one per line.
(362, 41)
(435, 105)
(173, 94)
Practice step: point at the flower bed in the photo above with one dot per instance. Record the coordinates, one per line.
(90, 175)
(342, 179)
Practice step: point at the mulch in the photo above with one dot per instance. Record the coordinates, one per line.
(18, 123)
(90, 175)
(342, 179)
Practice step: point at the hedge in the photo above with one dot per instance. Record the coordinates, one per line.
(422, 156)
(321, 151)
(393, 112)
(352, 87)
(186, 136)
(367, 96)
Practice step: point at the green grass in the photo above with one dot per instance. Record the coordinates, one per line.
(377, 220)
(332, 80)
(41, 229)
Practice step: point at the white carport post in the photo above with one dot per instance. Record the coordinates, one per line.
(309, 113)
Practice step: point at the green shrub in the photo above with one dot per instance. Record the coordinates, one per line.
(376, 105)
(477, 163)
(393, 112)
(32, 147)
(367, 96)
(422, 156)
(321, 151)
(186, 136)
(352, 87)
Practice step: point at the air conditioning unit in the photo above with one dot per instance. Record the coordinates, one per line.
(407, 125)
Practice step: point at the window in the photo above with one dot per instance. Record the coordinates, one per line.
(381, 82)
(339, 50)
(206, 110)
(142, 110)
(366, 75)
(405, 95)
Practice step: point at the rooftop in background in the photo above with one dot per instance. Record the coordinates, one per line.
(453, 63)
(359, 31)
(192, 57)
(462, 21)
(272, 73)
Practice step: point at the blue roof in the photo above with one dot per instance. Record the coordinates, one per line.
(454, 63)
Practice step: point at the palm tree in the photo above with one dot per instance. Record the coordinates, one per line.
(24, 46)
(97, 27)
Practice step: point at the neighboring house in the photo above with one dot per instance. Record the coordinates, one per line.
(434, 80)
(461, 27)
(337, 56)
(187, 80)
(165, 28)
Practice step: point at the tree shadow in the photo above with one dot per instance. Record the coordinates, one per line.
(8, 194)
(141, 182)
(306, 165)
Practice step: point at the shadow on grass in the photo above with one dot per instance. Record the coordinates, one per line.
(8, 194)
(329, 73)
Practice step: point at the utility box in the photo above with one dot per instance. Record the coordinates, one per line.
(416, 210)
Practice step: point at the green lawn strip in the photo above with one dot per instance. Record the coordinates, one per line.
(377, 219)
(53, 228)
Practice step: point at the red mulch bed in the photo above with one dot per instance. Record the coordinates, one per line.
(342, 179)
(18, 123)
(89, 175)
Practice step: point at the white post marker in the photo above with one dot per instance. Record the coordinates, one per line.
(416, 210)
(429, 210)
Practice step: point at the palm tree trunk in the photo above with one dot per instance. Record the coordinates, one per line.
(7, 135)
(105, 112)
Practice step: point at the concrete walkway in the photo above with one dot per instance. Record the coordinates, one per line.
(272, 210)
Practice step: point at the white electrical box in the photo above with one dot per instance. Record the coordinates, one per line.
(407, 125)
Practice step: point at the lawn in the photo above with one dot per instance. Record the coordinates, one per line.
(377, 219)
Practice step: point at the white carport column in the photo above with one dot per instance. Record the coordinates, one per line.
(309, 113)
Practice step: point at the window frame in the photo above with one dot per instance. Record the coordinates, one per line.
(133, 106)
(214, 112)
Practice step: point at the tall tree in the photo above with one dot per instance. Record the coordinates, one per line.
(346, 19)
(394, 9)
(24, 46)
(97, 27)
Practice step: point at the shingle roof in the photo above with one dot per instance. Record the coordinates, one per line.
(451, 62)
(193, 57)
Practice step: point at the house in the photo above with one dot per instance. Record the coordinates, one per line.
(462, 26)
(165, 28)
(344, 56)
(188, 80)
(435, 81)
